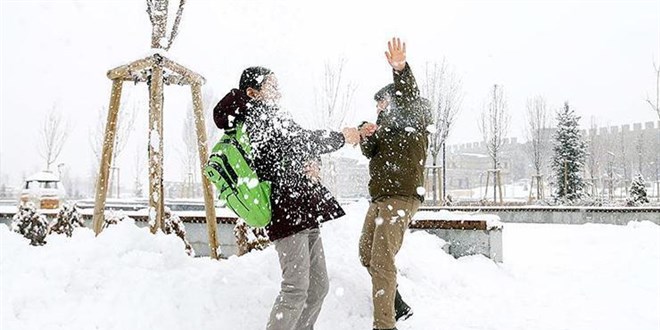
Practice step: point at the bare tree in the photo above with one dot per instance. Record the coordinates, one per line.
(212, 132)
(538, 138)
(189, 158)
(53, 135)
(157, 10)
(494, 127)
(442, 88)
(623, 159)
(656, 106)
(595, 153)
(334, 97)
(137, 158)
(125, 121)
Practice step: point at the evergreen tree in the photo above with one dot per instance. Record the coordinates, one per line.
(248, 238)
(31, 224)
(172, 224)
(569, 157)
(113, 217)
(67, 219)
(638, 192)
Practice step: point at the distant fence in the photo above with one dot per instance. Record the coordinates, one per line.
(562, 215)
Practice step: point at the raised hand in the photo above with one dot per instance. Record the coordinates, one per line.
(396, 54)
(368, 129)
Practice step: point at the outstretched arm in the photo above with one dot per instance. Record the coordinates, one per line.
(405, 86)
(317, 142)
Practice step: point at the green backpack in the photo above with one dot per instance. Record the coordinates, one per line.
(237, 183)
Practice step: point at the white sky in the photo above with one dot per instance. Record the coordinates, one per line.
(595, 54)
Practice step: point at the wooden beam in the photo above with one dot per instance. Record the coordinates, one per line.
(156, 198)
(124, 72)
(183, 71)
(106, 156)
(169, 79)
(203, 157)
(449, 224)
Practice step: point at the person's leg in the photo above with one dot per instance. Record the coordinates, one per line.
(367, 236)
(318, 282)
(396, 213)
(293, 252)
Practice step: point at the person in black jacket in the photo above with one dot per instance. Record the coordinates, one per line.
(283, 153)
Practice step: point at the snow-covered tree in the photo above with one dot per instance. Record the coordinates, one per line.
(113, 218)
(31, 224)
(637, 192)
(67, 219)
(569, 157)
(172, 224)
(248, 238)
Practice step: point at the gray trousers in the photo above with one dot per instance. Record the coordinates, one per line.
(304, 281)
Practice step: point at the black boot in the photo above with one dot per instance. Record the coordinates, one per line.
(401, 309)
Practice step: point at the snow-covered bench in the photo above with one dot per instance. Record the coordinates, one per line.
(465, 233)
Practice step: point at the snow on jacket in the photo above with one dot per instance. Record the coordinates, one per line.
(280, 150)
(397, 151)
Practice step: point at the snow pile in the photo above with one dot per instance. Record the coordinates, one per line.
(555, 277)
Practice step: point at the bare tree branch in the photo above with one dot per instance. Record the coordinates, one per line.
(443, 89)
(656, 106)
(157, 11)
(53, 135)
(334, 97)
(494, 127)
(537, 131)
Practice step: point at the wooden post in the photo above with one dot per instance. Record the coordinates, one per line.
(499, 184)
(106, 156)
(531, 188)
(156, 198)
(487, 183)
(209, 204)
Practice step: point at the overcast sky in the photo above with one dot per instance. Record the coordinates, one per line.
(598, 55)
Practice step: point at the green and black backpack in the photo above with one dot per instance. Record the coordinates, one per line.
(229, 168)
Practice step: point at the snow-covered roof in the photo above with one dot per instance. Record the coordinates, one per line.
(44, 176)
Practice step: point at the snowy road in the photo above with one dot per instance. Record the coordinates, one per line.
(554, 277)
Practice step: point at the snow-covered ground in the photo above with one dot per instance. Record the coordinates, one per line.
(554, 277)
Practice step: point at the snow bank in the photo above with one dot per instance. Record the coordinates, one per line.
(555, 277)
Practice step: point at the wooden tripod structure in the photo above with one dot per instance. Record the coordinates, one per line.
(156, 70)
(497, 177)
(540, 194)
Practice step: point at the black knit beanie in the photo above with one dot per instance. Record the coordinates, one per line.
(384, 92)
(253, 77)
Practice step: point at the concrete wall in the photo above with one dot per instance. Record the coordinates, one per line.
(462, 243)
(577, 217)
